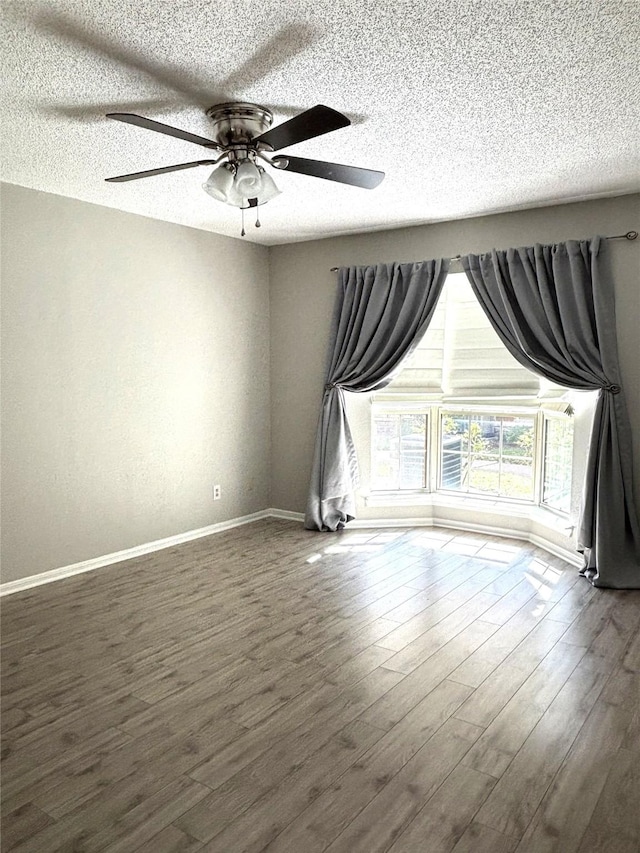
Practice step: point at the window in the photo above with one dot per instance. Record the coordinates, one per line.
(523, 455)
(399, 450)
(464, 418)
(461, 357)
(487, 454)
(557, 463)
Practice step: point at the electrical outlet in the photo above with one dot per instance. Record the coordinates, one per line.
(217, 493)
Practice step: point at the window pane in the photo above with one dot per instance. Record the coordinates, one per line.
(558, 455)
(484, 477)
(454, 450)
(517, 437)
(488, 454)
(399, 450)
(454, 424)
(453, 462)
(516, 478)
(488, 434)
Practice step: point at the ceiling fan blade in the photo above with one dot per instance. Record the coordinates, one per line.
(366, 178)
(133, 176)
(313, 122)
(150, 124)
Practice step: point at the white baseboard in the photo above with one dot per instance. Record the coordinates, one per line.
(284, 513)
(22, 584)
(571, 557)
(128, 554)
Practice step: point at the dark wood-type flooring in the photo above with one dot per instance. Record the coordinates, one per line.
(412, 691)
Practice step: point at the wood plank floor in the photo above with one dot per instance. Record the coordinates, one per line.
(411, 690)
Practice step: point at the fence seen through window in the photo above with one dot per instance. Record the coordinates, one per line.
(514, 455)
(487, 454)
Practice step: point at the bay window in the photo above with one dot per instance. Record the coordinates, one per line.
(464, 418)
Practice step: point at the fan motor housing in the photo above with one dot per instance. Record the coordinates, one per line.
(238, 123)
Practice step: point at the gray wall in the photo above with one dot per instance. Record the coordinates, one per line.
(135, 375)
(136, 364)
(303, 288)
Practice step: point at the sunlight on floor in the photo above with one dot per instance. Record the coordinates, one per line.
(543, 590)
(542, 577)
(389, 537)
(431, 540)
(465, 549)
(357, 538)
(346, 549)
(499, 553)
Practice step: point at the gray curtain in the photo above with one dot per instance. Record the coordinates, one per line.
(379, 317)
(553, 308)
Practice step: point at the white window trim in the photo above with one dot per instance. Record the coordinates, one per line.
(548, 415)
(420, 403)
(480, 503)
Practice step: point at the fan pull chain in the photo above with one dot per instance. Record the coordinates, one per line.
(243, 232)
(257, 216)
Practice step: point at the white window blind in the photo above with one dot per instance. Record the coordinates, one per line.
(461, 356)
(423, 369)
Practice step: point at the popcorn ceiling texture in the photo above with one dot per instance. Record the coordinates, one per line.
(469, 107)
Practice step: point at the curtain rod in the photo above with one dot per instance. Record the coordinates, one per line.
(630, 235)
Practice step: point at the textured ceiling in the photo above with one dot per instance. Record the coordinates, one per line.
(469, 107)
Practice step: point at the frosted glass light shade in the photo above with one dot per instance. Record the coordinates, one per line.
(220, 182)
(248, 180)
(269, 189)
(235, 185)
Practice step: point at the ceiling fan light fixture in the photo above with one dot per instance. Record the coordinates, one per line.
(268, 190)
(248, 181)
(236, 184)
(253, 182)
(243, 134)
(220, 183)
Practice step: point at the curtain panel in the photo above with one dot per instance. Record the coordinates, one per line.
(380, 314)
(553, 307)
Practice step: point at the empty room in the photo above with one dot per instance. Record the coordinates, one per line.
(320, 426)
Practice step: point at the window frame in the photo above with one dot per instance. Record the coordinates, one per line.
(434, 410)
(548, 416)
(470, 411)
(414, 407)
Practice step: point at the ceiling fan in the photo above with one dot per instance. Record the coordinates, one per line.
(243, 136)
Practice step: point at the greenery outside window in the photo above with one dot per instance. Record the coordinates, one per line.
(519, 454)
(488, 454)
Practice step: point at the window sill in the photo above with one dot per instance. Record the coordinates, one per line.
(549, 518)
